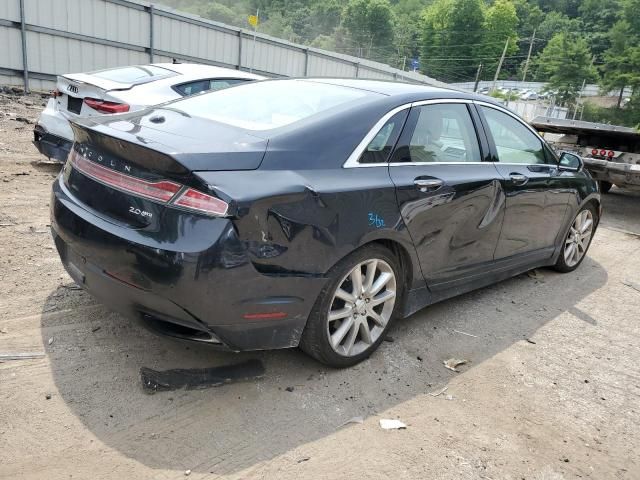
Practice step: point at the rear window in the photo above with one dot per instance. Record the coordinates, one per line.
(134, 75)
(270, 104)
(199, 86)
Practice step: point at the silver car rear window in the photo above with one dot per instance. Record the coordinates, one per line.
(134, 75)
(269, 104)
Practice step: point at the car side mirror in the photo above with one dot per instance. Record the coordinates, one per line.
(570, 162)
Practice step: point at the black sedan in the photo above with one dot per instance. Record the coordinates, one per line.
(312, 212)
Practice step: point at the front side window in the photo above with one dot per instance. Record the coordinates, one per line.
(514, 142)
(441, 133)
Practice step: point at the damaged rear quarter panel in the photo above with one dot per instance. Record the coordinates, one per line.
(304, 221)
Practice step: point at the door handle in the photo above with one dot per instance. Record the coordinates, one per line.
(428, 184)
(518, 178)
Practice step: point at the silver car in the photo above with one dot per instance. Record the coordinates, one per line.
(120, 90)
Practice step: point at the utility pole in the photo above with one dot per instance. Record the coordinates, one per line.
(526, 64)
(620, 96)
(475, 86)
(495, 78)
(253, 49)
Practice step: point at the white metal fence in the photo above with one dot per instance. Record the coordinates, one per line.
(590, 90)
(40, 39)
(532, 109)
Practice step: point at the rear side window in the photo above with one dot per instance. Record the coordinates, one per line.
(442, 133)
(514, 142)
(199, 86)
(380, 147)
(270, 104)
(134, 75)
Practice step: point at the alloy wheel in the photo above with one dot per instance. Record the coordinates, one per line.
(577, 241)
(361, 307)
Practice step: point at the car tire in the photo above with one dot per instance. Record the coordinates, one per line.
(605, 186)
(320, 338)
(568, 262)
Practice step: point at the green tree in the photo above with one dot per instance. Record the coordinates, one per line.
(500, 25)
(622, 59)
(452, 31)
(598, 17)
(219, 13)
(556, 22)
(370, 26)
(327, 15)
(566, 63)
(530, 16)
(407, 35)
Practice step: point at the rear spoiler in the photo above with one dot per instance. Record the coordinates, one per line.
(97, 82)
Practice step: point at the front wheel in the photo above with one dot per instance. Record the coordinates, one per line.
(578, 239)
(355, 309)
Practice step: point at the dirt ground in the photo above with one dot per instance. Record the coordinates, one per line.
(551, 390)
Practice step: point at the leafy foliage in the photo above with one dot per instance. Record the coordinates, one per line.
(566, 63)
(575, 40)
(452, 31)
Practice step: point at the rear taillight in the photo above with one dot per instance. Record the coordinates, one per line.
(603, 152)
(55, 93)
(594, 152)
(106, 107)
(161, 191)
(610, 153)
(195, 200)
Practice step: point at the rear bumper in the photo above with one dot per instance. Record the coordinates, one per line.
(621, 174)
(210, 293)
(51, 146)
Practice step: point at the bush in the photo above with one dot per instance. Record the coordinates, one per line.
(629, 116)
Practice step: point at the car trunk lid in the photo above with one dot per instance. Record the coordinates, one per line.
(75, 89)
(128, 171)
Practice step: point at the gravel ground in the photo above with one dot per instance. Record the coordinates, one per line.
(551, 390)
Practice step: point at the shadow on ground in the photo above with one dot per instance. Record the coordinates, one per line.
(97, 356)
(622, 210)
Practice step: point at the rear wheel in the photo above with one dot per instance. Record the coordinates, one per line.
(355, 309)
(578, 239)
(605, 186)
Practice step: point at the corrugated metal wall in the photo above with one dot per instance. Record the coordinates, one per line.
(66, 36)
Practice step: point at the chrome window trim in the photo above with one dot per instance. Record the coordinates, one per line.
(352, 161)
(402, 164)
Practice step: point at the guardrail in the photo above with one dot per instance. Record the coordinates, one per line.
(44, 38)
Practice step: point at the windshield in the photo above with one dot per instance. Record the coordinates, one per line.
(269, 104)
